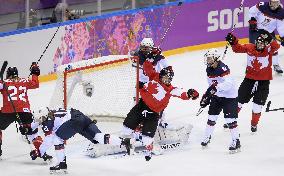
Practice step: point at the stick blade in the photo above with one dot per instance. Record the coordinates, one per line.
(3, 68)
(268, 106)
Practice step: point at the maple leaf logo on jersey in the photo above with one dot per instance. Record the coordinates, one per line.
(256, 65)
(152, 88)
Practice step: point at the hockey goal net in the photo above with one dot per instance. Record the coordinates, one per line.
(104, 87)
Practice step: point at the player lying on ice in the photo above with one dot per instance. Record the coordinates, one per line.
(155, 96)
(61, 125)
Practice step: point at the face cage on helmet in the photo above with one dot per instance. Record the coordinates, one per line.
(260, 45)
(274, 4)
(145, 49)
(215, 59)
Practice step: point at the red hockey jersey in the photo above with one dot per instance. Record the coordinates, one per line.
(18, 93)
(155, 94)
(258, 63)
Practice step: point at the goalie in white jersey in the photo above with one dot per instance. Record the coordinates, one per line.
(221, 95)
(61, 125)
(270, 17)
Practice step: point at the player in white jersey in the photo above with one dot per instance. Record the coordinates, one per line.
(61, 125)
(221, 95)
(270, 17)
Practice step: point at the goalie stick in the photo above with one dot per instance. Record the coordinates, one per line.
(268, 108)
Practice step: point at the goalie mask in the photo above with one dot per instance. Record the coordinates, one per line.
(88, 89)
(166, 75)
(146, 45)
(274, 4)
(12, 72)
(211, 57)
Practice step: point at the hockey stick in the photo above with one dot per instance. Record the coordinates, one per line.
(170, 25)
(268, 108)
(199, 111)
(234, 26)
(10, 99)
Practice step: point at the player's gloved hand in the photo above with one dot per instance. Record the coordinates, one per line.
(205, 101)
(211, 90)
(252, 24)
(156, 51)
(193, 94)
(34, 154)
(231, 39)
(25, 129)
(35, 69)
(163, 124)
(282, 41)
(141, 84)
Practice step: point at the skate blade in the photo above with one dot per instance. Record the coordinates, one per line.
(204, 147)
(59, 172)
(234, 151)
(253, 133)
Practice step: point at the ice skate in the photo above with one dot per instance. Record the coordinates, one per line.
(277, 69)
(127, 142)
(205, 142)
(47, 158)
(61, 168)
(253, 129)
(235, 146)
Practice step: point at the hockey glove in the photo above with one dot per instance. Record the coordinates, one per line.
(211, 90)
(156, 51)
(35, 69)
(193, 94)
(34, 154)
(163, 124)
(282, 41)
(252, 24)
(231, 39)
(25, 129)
(205, 101)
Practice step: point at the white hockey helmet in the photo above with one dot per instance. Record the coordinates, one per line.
(211, 56)
(41, 114)
(146, 45)
(274, 4)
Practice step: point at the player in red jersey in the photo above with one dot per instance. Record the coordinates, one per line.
(15, 89)
(258, 72)
(155, 96)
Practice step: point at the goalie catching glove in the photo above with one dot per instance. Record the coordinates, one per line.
(35, 69)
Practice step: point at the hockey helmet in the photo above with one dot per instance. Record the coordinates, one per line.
(12, 72)
(263, 40)
(146, 45)
(166, 75)
(274, 4)
(211, 56)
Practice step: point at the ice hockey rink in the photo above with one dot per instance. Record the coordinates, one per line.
(261, 155)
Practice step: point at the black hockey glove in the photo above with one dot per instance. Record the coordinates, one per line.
(35, 69)
(25, 129)
(252, 24)
(231, 39)
(211, 90)
(282, 41)
(141, 84)
(205, 101)
(34, 154)
(193, 94)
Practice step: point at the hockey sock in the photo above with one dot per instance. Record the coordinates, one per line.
(60, 152)
(210, 125)
(37, 142)
(255, 118)
(0, 137)
(240, 107)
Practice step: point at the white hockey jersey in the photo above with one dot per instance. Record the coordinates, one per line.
(267, 19)
(226, 86)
